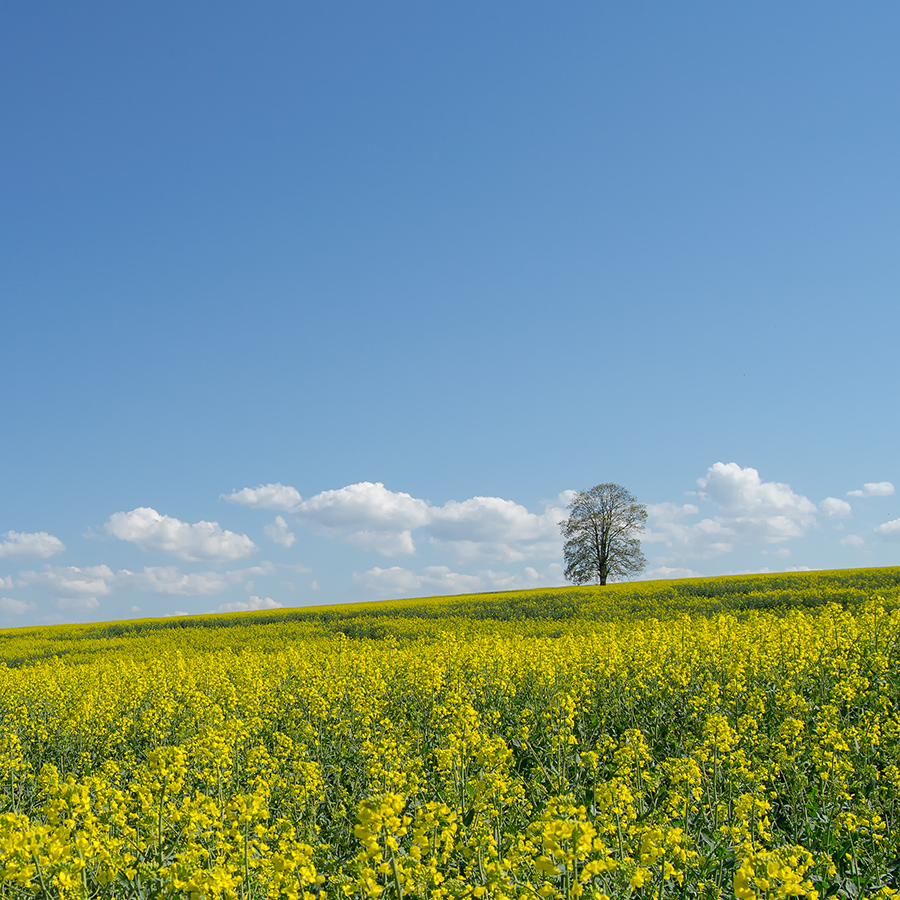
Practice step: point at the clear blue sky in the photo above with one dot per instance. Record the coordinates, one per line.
(478, 253)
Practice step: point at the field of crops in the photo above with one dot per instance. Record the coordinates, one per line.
(731, 737)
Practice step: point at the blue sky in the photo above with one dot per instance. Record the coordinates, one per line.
(309, 303)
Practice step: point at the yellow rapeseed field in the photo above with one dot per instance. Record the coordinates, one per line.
(705, 738)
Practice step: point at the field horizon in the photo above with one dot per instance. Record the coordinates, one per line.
(849, 582)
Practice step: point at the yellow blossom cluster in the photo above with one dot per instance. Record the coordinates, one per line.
(712, 745)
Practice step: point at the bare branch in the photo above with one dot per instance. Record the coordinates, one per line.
(601, 535)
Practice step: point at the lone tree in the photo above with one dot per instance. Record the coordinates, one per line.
(601, 534)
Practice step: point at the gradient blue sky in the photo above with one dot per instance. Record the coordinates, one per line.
(423, 268)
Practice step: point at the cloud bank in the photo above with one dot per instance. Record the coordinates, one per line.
(378, 520)
(397, 581)
(750, 511)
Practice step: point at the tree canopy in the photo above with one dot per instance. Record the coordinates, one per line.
(601, 535)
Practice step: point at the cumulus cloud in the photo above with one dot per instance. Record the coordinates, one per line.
(387, 543)
(254, 603)
(476, 552)
(153, 532)
(388, 582)
(741, 493)
(852, 540)
(750, 511)
(671, 511)
(873, 489)
(397, 581)
(700, 540)
(835, 508)
(365, 506)
(6, 582)
(93, 581)
(101, 581)
(487, 519)
(171, 580)
(666, 572)
(10, 607)
(889, 530)
(29, 545)
(77, 604)
(277, 497)
(379, 520)
(491, 529)
(279, 533)
(755, 510)
(263, 568)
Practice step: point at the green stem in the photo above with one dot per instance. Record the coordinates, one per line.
(40, 874)
(159, 822)
(396, 876)
(246, 860)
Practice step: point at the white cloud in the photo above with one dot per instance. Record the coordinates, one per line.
(750, 511)
(6, 582)
(701, 540)
(279, 533)
(397, 581)
(488, 519)
(254, 603)
(376, 519)
(11, 607)
(741, 493)
(835, 508)
(529, 577)
(91, 581)
(387, 543)
(474, 552)
(491, 529)
(388, 582)
(665, 572)
(889, 530)
(263, 568)
(99, 581)
(277, 497)
(671, 511)
(755, 510)
(135, 609)
(852, 540)
(873, 489)
(154, 532)
(172, 581)
(365, 506)
(77, 604)
(29, 545)
(443, 580)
